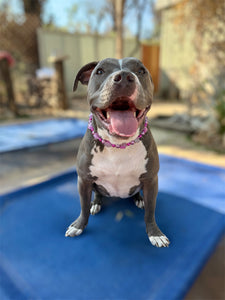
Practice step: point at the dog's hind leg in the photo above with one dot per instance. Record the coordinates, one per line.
(96, 204)
(138, 200)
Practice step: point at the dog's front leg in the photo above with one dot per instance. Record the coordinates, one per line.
(85, 190)
(150, 191)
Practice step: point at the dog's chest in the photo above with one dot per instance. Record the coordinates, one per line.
(119, 170)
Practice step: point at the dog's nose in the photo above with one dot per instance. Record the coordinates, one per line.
(124, 77)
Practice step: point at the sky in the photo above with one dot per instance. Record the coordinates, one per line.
(59, 9)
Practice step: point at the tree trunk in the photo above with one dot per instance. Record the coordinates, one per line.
(34, 8)
(119, 5)
(140, 6)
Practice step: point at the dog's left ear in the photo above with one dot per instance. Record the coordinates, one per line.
(84, 74)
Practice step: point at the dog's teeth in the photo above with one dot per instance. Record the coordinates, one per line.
(106, 115)
(135, 114)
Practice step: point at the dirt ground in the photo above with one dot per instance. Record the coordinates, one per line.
(34, 165)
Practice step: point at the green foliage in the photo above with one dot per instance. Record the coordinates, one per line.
(220, 110)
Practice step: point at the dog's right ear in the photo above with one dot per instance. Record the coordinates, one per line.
(84, 74)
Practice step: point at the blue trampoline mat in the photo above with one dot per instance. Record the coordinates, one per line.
(40, 133)
(195, 181)
(113, 259)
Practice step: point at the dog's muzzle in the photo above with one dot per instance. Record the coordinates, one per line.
(122, 117)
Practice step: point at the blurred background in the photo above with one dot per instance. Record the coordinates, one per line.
(44, 43)
(180, 42)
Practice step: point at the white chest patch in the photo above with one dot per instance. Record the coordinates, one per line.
(118, 170)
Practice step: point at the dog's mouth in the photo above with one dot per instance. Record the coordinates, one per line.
(121, 118)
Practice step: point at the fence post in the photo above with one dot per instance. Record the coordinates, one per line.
(5, 71)
(61, 90)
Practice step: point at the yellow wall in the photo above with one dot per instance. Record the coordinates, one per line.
(177, 53)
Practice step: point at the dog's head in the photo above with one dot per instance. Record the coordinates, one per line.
(120, 93)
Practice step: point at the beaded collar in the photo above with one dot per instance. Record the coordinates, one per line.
(108, 143)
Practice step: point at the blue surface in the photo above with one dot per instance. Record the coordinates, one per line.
(39, 133)
(112, 259)
(197, 182)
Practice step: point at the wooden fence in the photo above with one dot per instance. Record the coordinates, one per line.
(150, 58)
(81, 49)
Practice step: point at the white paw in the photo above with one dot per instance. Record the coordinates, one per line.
(159, 241)
(139, 203)
(95, 208)
(73, 231)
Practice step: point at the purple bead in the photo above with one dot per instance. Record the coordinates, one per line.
(123, 146)
(96, 136)
(128, 144)
(113, 145)
(107, 144)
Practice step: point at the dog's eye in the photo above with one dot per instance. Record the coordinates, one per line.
(141, 71)
(100, 71)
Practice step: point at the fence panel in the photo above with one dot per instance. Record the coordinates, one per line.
(80, 50)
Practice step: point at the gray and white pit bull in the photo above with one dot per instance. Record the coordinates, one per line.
(120, 94)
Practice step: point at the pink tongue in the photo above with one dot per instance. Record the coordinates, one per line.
(123, 123)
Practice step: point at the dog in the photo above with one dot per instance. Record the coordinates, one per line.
(118, 156)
